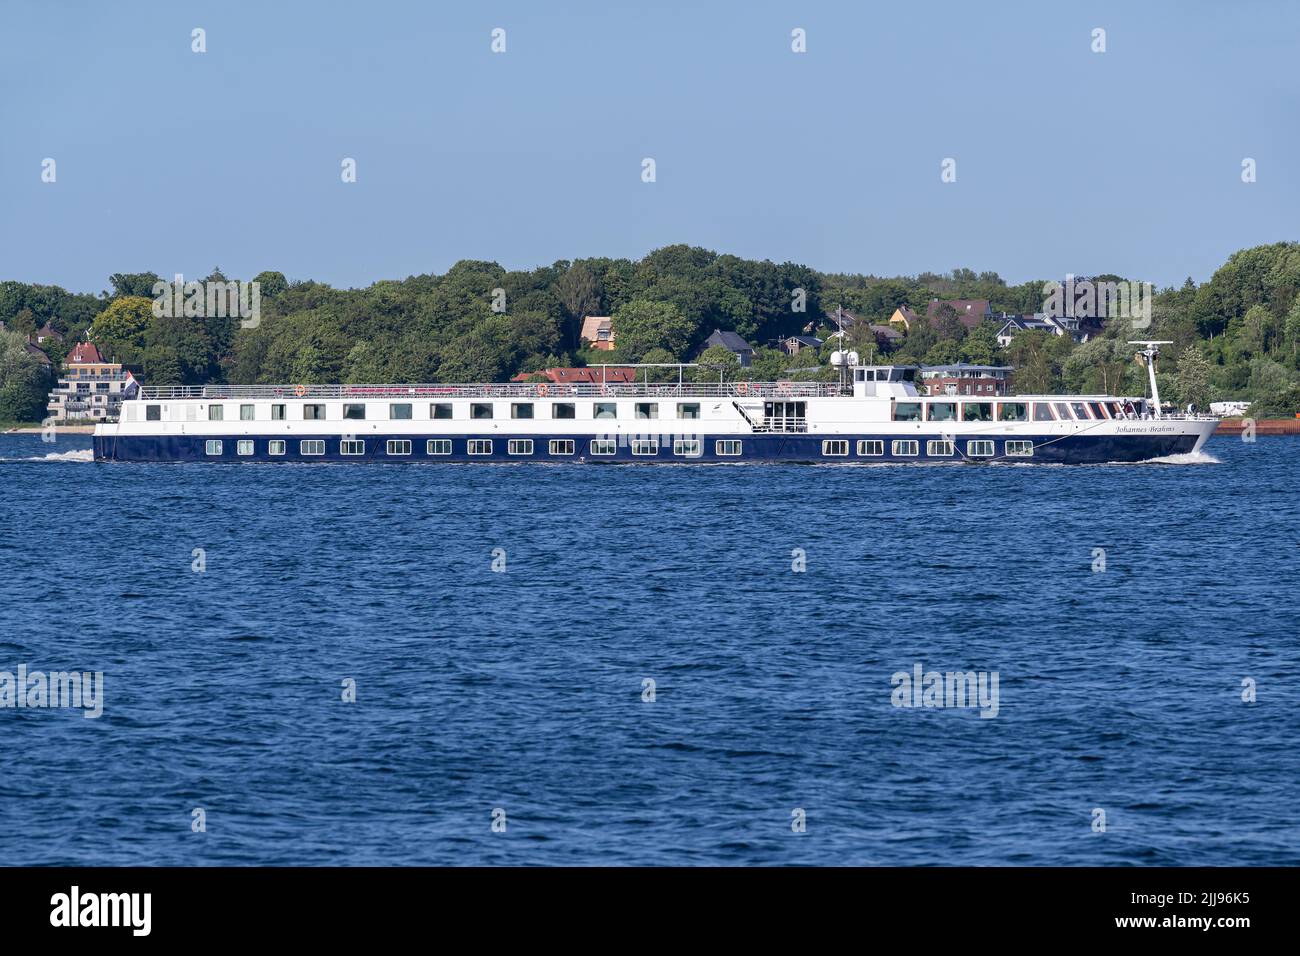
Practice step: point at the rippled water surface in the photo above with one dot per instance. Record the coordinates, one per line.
(1119, 690)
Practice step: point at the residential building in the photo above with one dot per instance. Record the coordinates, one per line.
(598, 332)
(90, 386)
(47, 331)
(903, 316)
(794, 344)
(733, 343)
(887, 336)
(965, 379)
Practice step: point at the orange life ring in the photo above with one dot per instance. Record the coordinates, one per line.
(742, 387)
(300, 390)
(542, 389)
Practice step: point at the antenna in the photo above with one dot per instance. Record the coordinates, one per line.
(1150, 349)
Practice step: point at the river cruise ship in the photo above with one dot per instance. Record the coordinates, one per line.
(875, 413)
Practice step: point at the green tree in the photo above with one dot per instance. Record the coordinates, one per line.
(24, 381)
(120, 330)
(1192, 381)
(715, 362)
(641, 326)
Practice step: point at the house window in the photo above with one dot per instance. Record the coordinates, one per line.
(1020, 449)
(354, 411)
(605, 410)
(939, 449)
(399, 446)
(1043, 412)
(277, 414)
(244, 447)
(312, 413)
(907, 411)
(213, 446)
(312, 446)
(835, 447)
(153, 413)
(687, 447)
(564, 410)
(688, 409)
(247, 413)
(645, 446)
(647, 409)
(275, 446)
(943, 411)
(870, 447)
(727, 447)
(438, 446)
(479, 446)
(399, 412)
(904, 449)
(480, 410)
(521, 410)
(604, 446)
(440, 410)
(561, 446)
(216, 413)
(352, 446)
(977, 411)
(1012, 411)
(520, 446)
(979, 449)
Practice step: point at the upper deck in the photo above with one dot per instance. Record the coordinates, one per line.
(505, 390)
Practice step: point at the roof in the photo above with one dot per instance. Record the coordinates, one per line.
(83, 353)
(810, 340)
(888, 331)
(48, 331)
(969, 311)
(728, 340)
(571, 376)
(40, 355)
(592, 324)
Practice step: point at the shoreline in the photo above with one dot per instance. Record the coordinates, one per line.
(1263, 426)
(58, 430)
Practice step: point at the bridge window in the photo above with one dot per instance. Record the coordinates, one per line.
(904, 449)
(311, 447)
(564, 410)
(438, 446)
(871, 448)
(440, 410)
(1012, 412)
(399, 446)
(400, 411)
(1062, 411)
(977, 411)
(907, 411)
(213, 446)
(561, 446)
(354, 412)
(943, 411)
(153, 413)
(521, 410)
(519, 446)
(1043, 412)
(1080, 411)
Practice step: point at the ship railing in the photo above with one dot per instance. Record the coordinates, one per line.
(783, 423)
(520, 390)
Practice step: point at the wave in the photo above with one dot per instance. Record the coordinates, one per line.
(1190, 458)
(79, 454)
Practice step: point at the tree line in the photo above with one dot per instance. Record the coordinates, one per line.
(1237, 335)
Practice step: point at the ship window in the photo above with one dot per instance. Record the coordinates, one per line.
(213, 446)
(244, 447)
(907, 411)
(561, 446)
(645, 446)
(1097, 410)
(312, 446)
(564, 410)
(215, 413)
(399, 446)
(1115, 411)
(647, 409)
(1043, 412)
(603, 446)
(1020, 449)
(520, 446)
(687, 447)
(277, 415)
(979, 449)
(835, 447)
(480, 410)
(943, 411)
(605, 410)
(1012, 412)
(727, 447)
(352, 446)
(1080, 410)
(1062, 411)
(247, 413)
(870, 447)
(521, 410)
(479, 446)
(904, 448)
(275, 447)
(688, 409)
(939, 449)
(438, 446)
(153, 413)
(399, 411)
(313, 413)
(977, 411)
(440, 410)
(354, 411)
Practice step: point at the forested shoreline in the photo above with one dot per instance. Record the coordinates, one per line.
(1236, 336)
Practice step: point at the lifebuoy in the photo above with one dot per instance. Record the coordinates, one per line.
(542, 389)
(742, 387)
(300, 390)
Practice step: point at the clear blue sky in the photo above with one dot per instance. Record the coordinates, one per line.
(1067, 160)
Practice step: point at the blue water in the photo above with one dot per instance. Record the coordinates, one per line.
(522, 690)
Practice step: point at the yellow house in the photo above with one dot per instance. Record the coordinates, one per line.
(903, 316)
(598, 332)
